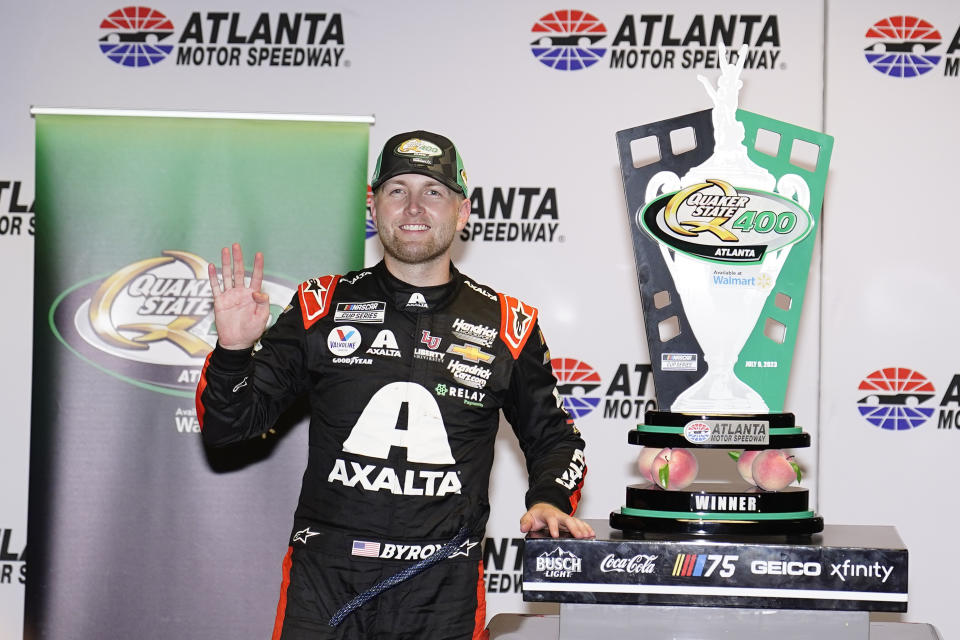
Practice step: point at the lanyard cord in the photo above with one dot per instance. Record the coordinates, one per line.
(404, 574)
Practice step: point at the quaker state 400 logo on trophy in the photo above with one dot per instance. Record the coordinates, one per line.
(723, 231)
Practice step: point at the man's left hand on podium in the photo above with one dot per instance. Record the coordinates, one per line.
(546, 516)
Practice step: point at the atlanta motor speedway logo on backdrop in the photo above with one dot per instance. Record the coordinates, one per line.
(513, 214)
(150, 323)
(13, 555)
(139, 36)
(16, 216)
(574, 40)
(629, 394)
(901, 399)
(906, 46)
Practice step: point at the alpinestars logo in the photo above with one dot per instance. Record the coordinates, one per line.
(133, 36)
(575, 380)
(901, 46)
(893, 398)
(566, 40)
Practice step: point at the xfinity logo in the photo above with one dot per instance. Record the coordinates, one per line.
(848, 570)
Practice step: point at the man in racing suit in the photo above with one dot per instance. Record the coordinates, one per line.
(407, 366)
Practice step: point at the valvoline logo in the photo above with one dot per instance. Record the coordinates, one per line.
(576, 379)
(133, 35)
(893, 398)
(566, 40)
(149, 323)
(899, 46)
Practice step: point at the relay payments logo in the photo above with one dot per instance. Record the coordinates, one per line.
(893, 399)
(133, 36)
(566, 39)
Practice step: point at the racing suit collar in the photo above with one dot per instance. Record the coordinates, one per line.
(407, 297)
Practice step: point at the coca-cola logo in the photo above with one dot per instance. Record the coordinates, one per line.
(640, 563)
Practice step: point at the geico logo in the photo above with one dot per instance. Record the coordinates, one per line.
(409, 552)
(781, 568)
(415, 483)
(558, 564)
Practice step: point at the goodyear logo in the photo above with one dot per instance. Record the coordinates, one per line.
(150, 323)
(717, 222)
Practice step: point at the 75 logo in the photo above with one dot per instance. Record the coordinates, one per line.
(704, 565)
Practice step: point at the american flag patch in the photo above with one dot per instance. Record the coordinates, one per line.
(364, 548)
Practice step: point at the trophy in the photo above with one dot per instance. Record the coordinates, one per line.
(723, 235)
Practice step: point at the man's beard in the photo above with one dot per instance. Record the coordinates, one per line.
(417, 252)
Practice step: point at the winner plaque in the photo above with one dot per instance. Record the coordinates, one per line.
(723, 232)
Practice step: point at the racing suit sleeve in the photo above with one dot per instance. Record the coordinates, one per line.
(548, 438)
(241, 393)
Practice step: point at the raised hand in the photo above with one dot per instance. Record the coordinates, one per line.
(241, 311)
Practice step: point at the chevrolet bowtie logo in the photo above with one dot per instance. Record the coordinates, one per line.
(470, 353)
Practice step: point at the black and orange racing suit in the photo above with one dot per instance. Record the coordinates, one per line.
(406, 385)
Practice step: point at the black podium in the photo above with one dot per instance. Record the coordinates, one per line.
(662, 585)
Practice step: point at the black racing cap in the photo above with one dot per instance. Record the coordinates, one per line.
(428, 154)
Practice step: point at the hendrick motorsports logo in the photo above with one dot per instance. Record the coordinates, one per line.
(142, 36)
(133, 36)
(716, 222)
(566, 39)
(576, 379)
(149, 323)
(894, 398)
(901, 46)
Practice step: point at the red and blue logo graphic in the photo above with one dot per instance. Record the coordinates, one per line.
(133, 36)
(576, 379)
(898, 46)
(371, 227)
(893, 399)
(566, 40)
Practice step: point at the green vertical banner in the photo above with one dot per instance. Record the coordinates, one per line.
(134, 528)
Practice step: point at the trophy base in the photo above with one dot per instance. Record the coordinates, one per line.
(719, 431)
(696, 525)
(700, 509)
(710, 509)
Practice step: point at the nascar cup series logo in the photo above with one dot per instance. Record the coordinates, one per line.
(714, 221)
(149, 323)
